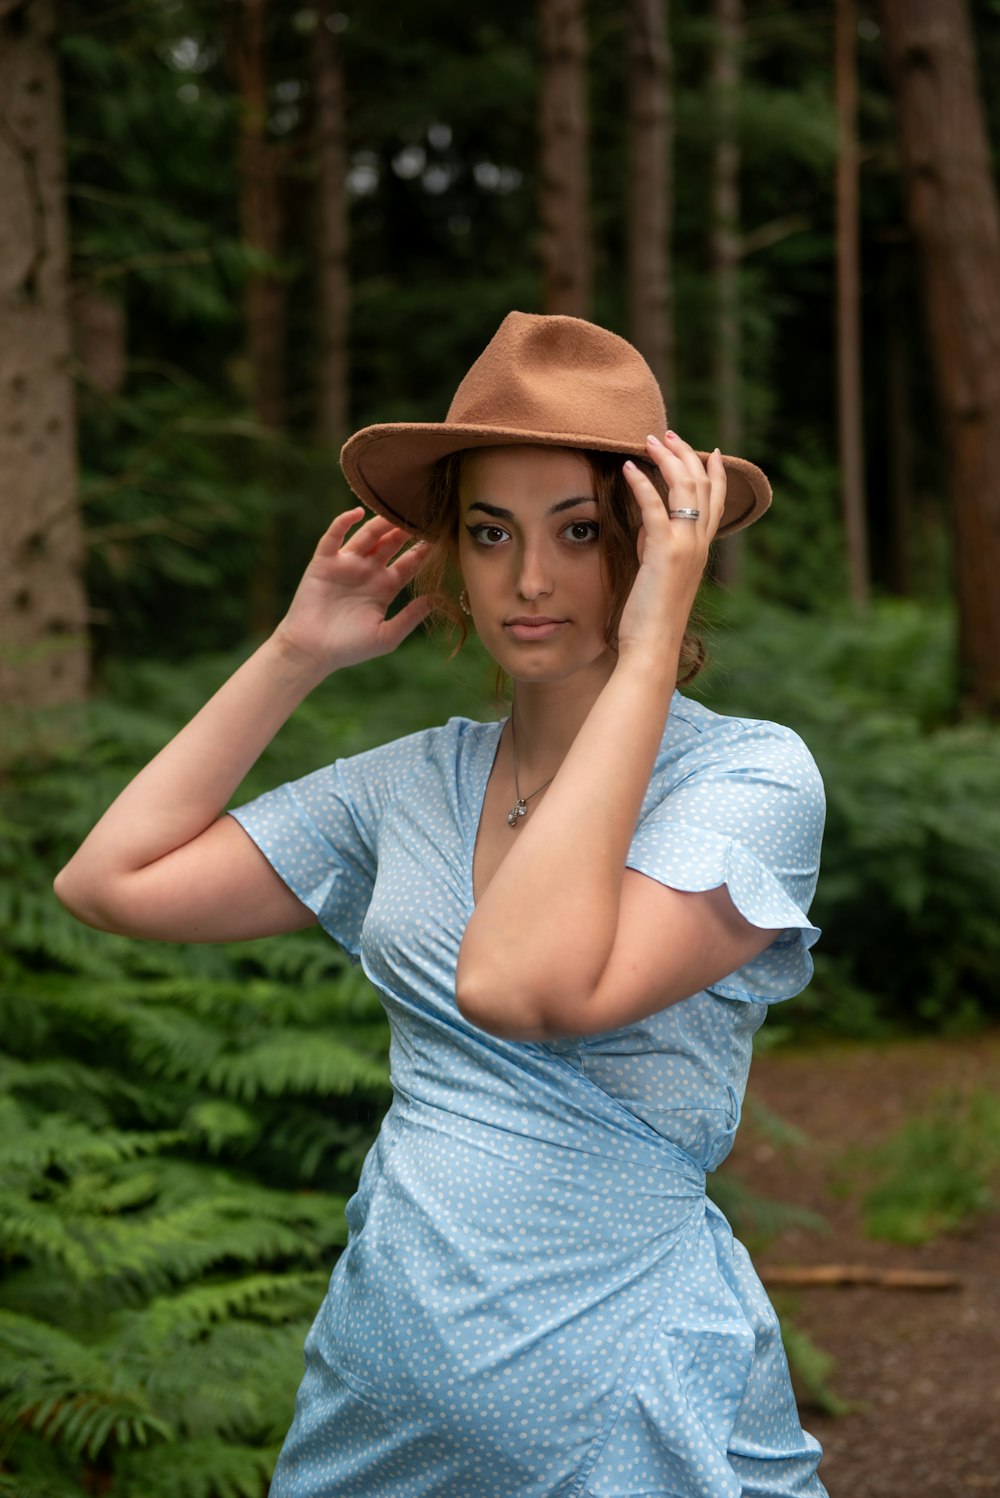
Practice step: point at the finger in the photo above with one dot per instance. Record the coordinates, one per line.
(687, 479)
(409, 562)
(369, 536)
(650, 500)
(719, 480)
(393, 631)
(676, 456)
(333, 537)
(389, 544)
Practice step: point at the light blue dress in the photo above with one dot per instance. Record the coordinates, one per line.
(537, 1300)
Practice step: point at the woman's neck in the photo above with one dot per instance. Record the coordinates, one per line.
(547, 716)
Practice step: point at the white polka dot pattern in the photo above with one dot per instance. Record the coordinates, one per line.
(536, 1298)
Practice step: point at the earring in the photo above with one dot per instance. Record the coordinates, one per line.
(463, 602)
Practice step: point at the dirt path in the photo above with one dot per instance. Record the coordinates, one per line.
(921, 1368)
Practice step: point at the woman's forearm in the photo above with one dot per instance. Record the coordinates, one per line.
(189, 783)
(547, 922)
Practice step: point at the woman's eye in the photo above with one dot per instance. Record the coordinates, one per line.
(581, 531)
(487, 535)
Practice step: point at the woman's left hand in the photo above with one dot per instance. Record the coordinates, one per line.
(673, 549)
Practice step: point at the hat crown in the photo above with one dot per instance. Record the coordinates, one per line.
(562, 375)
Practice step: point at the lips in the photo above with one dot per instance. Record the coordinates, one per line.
(532, 627)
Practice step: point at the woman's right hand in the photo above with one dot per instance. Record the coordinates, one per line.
(337, 617)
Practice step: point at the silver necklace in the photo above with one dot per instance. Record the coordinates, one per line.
(520, 807)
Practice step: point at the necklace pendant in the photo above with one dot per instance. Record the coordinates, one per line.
(518, 810)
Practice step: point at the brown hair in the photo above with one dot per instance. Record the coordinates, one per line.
(619, 522)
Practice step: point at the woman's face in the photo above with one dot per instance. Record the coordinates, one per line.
(530, 557)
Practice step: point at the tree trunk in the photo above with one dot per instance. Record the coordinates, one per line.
(851, 434)
(650, 196)
(265, 307)
(260, 217)
(331, 229)
(563, 174)
(43, 610)
(727, 253)
(952, 205)
(904, 523)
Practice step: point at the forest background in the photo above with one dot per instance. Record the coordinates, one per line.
(234, 231)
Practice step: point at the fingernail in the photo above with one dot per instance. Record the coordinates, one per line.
(654, 440)
(716, 451)
(629, 465)
(671, 434)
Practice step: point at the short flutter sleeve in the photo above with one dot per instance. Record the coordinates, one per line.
(318, 834)
(743, 808)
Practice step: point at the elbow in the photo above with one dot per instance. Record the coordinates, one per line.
(78, 898)
(501, 1009)
(64, 891)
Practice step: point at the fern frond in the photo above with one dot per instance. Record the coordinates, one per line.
(273, 1298)
(34, 1469)
(282, 1063)
(237, 1379)
(36, 925)
(210, 1469)
(315, 1139)
(67, 1393)
(63, 1144)
(221, 1124)
(222, 1222)
(57, 1082)
(36, 1231)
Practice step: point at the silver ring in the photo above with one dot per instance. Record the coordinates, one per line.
(684, 514)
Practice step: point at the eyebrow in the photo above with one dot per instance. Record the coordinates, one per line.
(557, 509)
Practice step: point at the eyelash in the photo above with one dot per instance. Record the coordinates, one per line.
(477, 532)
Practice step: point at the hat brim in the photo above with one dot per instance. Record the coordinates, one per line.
(389, 467)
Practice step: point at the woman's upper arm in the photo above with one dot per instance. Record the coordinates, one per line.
(670, 944)
(217, 887)
(723, 865)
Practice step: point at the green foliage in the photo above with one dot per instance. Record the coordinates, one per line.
(910, 880)
(934, 1175)
(179, 1126)
(812, 1367)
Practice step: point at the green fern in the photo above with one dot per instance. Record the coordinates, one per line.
(68, 1393)
(209, 1469)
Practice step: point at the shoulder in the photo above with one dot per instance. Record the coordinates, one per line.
(416, 761)
(709, 759)
(698, 738)
(427, 746)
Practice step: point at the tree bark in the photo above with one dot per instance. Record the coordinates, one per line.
(727, 253)
(260, 218)
(332, 274)
(849, 406)
(904, 524)
(953, 213)
(265, 302)
(650, 196)
(43, 609)
(563, 172)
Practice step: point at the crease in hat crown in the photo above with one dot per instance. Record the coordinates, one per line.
(543, 379)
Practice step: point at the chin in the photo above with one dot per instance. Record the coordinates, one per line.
(537, 667)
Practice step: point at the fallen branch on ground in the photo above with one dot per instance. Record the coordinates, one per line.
(859, 1274)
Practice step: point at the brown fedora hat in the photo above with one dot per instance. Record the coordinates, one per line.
(547, 380)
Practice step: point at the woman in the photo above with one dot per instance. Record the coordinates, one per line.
(575, 919)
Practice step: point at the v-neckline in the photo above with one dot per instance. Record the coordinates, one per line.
(479, 804)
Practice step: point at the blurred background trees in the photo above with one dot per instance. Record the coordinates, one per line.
(232, 231)
(286, 221)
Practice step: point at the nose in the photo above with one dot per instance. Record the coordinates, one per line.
(534, 577)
